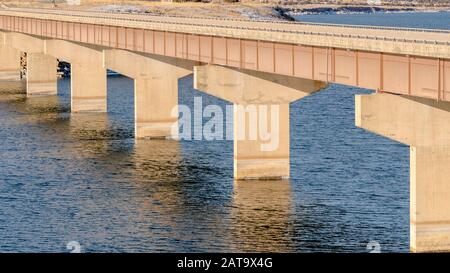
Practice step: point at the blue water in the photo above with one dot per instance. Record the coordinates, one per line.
(82, 177)
(431, 20)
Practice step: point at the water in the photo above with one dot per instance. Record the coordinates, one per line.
(66, 177)
(431, 20)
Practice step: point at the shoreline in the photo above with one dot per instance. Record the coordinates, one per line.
(355, 10)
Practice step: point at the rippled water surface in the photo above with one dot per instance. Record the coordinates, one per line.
(430, 20)
(82, 177)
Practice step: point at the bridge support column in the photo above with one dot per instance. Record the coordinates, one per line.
(261, 116)
(155, 87)
(261, 155)
(88, 81)
(155, 99)
(9, 68)
(41, 74)
(87, 75)
(423, 125)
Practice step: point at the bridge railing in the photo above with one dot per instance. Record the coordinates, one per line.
(351, 26)
(163, 20)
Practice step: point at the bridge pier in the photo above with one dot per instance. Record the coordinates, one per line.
(41, 74)
(10, 68)
(257, 157)
(88, 83)
(155, 89)
(261, 115)
(88, 77)
(155, 99)
(423, 125)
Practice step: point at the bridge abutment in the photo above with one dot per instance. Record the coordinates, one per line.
(423, 125)
(41, 74)
(261, 116)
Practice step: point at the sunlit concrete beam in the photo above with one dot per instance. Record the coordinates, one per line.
(246, 86)
(74, 52)
(410, 120)
(24, 42)
(146, 66)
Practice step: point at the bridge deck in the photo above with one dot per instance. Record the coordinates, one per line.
(397, 60)
(406, 40)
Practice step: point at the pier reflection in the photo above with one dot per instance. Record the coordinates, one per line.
(90, 126)
(12, 87)
(156, 160)
(261, 216)
(90, 130)
(46, 110)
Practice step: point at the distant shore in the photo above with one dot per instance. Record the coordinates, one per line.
(357, 10)
(291, 12)
(251, 11)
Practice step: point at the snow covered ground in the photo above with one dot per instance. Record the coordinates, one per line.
(119, 8)
(241, 12)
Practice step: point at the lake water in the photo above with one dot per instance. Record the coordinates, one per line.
(82, 177)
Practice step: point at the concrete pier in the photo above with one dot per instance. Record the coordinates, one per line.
(261, 104)
(423, 125)
(36, 81)
(9, 64)
(41, 74)
(88, 74)
(155, 89)
(10, 68)
(257, 157)
(88, 83)
(154, 101)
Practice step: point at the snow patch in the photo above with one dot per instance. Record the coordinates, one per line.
(118, 8)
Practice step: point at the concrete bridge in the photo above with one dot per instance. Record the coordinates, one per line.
(254, 63)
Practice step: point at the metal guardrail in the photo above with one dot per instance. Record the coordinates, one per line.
(63, 12)
(369, 37)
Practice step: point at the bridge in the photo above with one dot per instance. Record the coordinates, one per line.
(254, 63)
